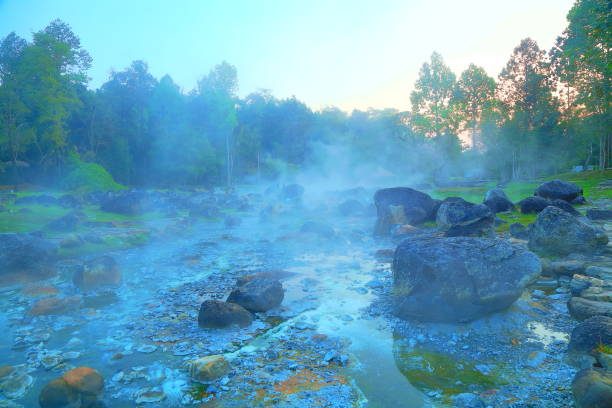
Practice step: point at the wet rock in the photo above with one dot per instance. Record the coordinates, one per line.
(73, 241)
(582, 282)
(599, 272)
(67, 223)
(582, 309)
(127, 203)
(45, 200)
(565, 206)
(567, 268)
(149, 396)
(97, 273)
(461, 218)
(26, 255)
(557, 232)
(384, 255)
(402, 205)
(592, 388)
(597, 214)
(498, 201)
(85, 381)
(258, 294)
(216, 314)
(590, 334)
(319, 228)
(208, 369)
(467, 400)
(558, 189)
(14, 381)
(55, 306)
(459, 279)
(350, 208)
(518, 231)
(69, 201)
(533, 205)
(58, 394)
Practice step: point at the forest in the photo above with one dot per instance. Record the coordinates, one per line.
(548, 111)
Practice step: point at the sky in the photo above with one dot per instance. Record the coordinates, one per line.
(353, 54)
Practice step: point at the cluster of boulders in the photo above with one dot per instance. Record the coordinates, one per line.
(256, 293)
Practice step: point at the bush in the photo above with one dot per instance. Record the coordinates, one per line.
(85, 177)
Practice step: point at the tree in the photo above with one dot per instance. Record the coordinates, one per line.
(432, 97)
(582, 54)
(474, 91)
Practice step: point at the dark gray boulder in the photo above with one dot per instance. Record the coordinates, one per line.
(461, 218)
(533, 205)
(402, 205)
(518, 231)
(582, 309)
(258, 294)
(459, 279)
(565, 206)
(498, 201)
(592, 388)
(218, 315)
(597, 214)
(589, 334)
(26, 254)
(67, 223)
(556, 232)
(128, 203)
(558, 189)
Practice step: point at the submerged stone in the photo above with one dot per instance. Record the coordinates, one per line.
(208, 369)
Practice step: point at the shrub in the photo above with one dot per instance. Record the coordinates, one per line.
(85, 177)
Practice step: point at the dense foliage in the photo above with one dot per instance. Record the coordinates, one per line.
(547, 112)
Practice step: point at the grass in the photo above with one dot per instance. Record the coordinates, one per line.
(112, 243)
(515, 217)
(35, 219)
(604, 348)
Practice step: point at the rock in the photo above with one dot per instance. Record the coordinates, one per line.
(592, 388)
(498, 201)
(557, 189)
(258, 294)
(350, 208)
(589, 334)
(533, 205)
(44, 200)
(58, 394)
(459, 279)
(582, 309)
(556, 232)
(582, 282)
(461, 218)
(597, 214)
(149, 396)
(216, 314)
(127, 203)
(567, 268)
(97, 273)
(85, 381)
(580, 200)
(565, 206)
(14, 381)
(599, 272)
(402, 205)
(26, 254)
(519, 231)
(55, 306)
(319, 228)
(467, 400)
(72, 241)
(69, 201)
(67, 223)
(208, 369)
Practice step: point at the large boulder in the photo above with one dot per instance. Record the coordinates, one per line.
(533, 205)
(565, 206)
(556, 232)
(218, 315)
(128, 203)
(459, 279)
(461, 218)
(590, 334)
(26, 255)
(592, 388)
(582, 309)
(98, 273)
(498, 201)
(402, 205)
(69, 201)
(258, 294)
(558, 189)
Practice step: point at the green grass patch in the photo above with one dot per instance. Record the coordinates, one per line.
(34, 219)
(112, 243)
(514, 217)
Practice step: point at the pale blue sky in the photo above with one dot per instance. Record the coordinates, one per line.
(347, 53)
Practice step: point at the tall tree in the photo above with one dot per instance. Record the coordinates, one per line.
(474, 91)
